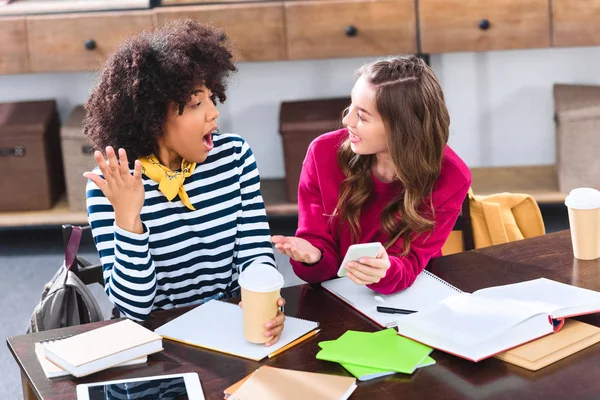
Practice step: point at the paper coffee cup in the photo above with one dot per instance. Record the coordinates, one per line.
(260, 285)
(584, 221)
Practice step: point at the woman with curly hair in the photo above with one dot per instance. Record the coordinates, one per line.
(176, 212)
(388, 176)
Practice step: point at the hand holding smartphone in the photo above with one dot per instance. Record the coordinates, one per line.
(358, 251)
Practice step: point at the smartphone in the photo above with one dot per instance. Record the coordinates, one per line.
(358, 251)
(164, 387)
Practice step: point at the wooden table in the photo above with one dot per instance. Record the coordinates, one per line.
(451, 378)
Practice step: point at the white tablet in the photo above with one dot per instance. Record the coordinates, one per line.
(161, 387)
(358, 251)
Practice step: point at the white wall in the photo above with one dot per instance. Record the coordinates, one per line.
(500, 102)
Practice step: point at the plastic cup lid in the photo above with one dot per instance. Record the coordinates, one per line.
(262, 278)
(583, 199)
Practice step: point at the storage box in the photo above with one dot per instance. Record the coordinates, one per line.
(300, 122)
(31, 176)
(78, 157)
(577, 136)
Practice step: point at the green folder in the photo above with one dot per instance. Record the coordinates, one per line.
(367, 373)
(385, 351)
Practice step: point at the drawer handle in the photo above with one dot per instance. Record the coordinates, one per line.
(484, 24)
(87, 149)
(17, 151)
(90, 44)
(351, 31)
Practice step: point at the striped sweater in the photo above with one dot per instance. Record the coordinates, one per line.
(185, 257)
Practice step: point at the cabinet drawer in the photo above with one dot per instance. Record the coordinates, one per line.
(80, 42)
(255, 30)
(13, 51)
(480, 25)
(576, 22)
(325, 29)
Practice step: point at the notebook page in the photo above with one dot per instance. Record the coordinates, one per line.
(426, 291)
(558, 299)
(464, 322)
(218, 326)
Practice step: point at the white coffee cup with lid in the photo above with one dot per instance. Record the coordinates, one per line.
(260, 286)
(583, 205)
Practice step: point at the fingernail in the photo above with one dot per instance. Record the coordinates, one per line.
(267, 333)
(268, 325)
(268, 344)
(362, 261)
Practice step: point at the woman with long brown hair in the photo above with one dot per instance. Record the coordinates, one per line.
(388, 176)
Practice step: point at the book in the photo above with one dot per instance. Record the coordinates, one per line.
(496, 319)
(103, 348)
(52, 370)
(268, 383)
(217, 325)
(427, 290)
(574, 336)
(384, 351)
(363, 373)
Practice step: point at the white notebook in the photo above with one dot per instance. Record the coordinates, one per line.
(426, 291)
(492, 320)
(217, 325)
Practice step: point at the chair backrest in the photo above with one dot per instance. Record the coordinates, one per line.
(461, 238)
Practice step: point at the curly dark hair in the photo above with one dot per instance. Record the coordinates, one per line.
(128, 107)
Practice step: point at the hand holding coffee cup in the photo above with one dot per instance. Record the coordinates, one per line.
(262, 317)
(584, 220)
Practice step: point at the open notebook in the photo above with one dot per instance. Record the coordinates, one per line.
(427, 290)
(492, 320)
(217, 325)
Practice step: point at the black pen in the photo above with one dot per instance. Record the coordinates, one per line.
(389, 310)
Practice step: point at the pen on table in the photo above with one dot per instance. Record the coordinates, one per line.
(390, 310)
(295, 342)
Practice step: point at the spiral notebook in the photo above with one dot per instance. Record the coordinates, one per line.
(217, 325)
(426, 291)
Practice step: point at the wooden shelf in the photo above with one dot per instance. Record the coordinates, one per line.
(273, 193)
(538, 181)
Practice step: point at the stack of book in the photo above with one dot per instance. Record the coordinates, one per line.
(118, 344)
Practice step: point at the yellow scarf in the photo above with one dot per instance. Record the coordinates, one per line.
(169, 183)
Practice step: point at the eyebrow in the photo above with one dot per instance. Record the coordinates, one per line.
(363, 110)
(195, 92)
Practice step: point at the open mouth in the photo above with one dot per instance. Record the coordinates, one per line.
(208, 141)
(354, 138)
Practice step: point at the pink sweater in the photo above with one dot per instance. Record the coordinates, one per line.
(317, 198)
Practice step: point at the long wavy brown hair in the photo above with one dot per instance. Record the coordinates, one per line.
(411, 103)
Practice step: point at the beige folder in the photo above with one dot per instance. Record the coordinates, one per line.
(276, 383)
(573, 337)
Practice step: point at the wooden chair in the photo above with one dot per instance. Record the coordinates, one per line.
(461, 237)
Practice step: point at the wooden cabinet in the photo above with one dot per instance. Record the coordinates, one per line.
(255, 30)
(576, 22)
(80, 42)
(480, 25)
(14, 57)
(326, 29)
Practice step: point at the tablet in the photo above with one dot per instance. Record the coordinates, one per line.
(358, 251)
(162, 387)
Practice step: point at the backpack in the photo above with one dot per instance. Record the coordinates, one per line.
(66, 300)
(504, 217)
